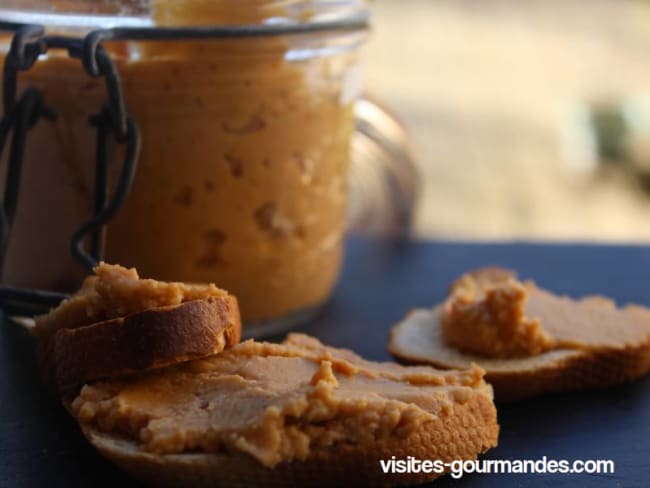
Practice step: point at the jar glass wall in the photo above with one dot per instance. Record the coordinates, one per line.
(242, 176)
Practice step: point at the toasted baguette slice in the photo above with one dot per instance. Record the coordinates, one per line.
(119, 323)
(115, 292)
(418, 339)
(140, 341)
(465, 433)
(293, 414)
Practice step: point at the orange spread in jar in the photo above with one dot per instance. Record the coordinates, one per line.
(242, 177)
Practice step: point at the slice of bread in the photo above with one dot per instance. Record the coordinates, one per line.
(118, 324)
(114, 292)
(418, 339)
(140, 341)
(328, 415)
(465, 433)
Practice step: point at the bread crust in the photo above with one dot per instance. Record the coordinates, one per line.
(468, 430)
(556, 371)
(145, 340)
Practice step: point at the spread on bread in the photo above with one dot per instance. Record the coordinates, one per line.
(119, 324)
(279, 402)
(516, 330)
(485, 313)
(491, 312)
(114, 291)
(159, 383)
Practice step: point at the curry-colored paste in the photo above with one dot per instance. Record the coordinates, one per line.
(242, 177)
(275, 402)
(491, 312)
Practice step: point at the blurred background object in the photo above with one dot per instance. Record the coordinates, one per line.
(528, 119)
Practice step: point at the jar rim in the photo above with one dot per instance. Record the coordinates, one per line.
(143, 27)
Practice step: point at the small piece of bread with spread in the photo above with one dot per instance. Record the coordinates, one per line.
(297, 413)
(119, 324)
(529, 340)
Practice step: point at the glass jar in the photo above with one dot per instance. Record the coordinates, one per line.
(242, 175)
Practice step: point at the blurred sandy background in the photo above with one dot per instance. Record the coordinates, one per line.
(495, 92)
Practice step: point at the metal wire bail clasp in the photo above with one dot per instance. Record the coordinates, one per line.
(18, 118)
(20, 115)
(112, 120)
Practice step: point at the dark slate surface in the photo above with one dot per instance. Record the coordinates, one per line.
(41, 446)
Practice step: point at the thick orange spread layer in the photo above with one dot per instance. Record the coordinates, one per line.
(275, 402)
(491, 312)
(485, 314)
(114, 291)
